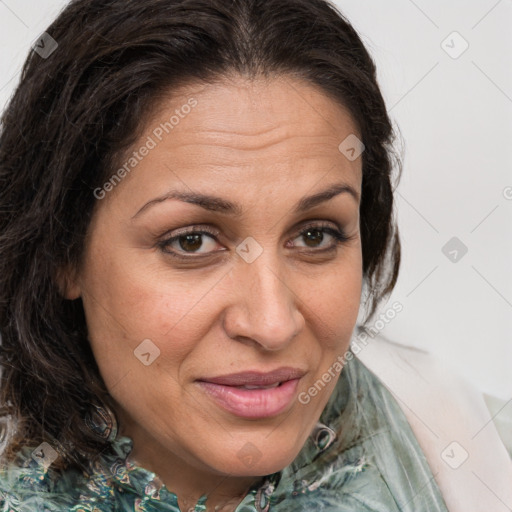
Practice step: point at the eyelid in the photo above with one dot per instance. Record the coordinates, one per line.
(199, 228)
(320, 224)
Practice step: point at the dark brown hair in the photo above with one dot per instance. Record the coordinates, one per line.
(77, 109)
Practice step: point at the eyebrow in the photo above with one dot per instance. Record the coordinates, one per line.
(217, 204)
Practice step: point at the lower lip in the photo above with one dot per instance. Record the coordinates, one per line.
(252, 403)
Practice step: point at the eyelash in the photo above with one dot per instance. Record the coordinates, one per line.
(339, 238)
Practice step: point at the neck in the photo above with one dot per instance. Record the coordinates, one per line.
(215, 501)
(223, 492)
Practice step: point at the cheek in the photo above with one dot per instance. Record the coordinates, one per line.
(334, 307)
(334, 302)
(126, 303)
(149, 309)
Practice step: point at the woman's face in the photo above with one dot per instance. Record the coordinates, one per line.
(243, 273)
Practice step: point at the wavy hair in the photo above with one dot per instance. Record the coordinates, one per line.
(75, 111)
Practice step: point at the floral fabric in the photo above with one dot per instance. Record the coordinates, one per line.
(362, 456)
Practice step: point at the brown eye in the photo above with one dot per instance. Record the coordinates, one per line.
(200, 242)
(313, 236)
(190, 242)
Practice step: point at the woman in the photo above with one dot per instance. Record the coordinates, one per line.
(194, 195)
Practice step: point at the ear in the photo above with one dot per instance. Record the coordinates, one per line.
(67, 283)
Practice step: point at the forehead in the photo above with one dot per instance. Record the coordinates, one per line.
(239, 131)
(255, 112)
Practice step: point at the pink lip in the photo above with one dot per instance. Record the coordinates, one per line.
(254, 403)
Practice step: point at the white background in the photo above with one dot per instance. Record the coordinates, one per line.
(455, 119)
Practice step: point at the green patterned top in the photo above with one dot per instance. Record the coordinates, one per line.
(362, 456)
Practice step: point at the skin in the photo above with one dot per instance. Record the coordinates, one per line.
(264, 144)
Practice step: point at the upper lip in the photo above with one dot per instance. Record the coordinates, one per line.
(256, 378)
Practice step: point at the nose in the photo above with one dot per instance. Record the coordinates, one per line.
(264, 307)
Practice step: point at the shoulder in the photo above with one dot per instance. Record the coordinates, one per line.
(451, 422)
(21, 488)
(28, 486)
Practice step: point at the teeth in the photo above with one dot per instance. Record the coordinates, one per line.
(260, 387)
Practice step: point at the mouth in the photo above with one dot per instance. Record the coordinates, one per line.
(259, 387)
(254, 395)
